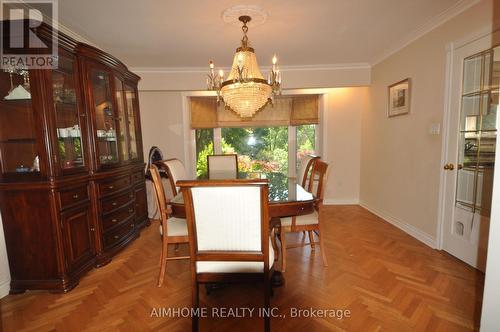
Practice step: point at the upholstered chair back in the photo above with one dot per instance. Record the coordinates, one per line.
(176, 172)
(222, 166)
(228, 224)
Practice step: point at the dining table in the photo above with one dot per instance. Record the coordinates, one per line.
(287, 198)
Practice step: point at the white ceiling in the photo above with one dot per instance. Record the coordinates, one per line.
(187, 33)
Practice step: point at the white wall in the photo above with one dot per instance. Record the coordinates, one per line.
(400, 160)
(342, 143)
(161, 121)
(4, 265)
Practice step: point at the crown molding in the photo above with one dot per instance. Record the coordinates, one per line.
(425, 28)
(203, 70)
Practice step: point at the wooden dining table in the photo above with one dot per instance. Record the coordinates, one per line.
(286, 198)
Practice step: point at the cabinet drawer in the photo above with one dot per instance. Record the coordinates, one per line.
(118, 217)
(110, 187)
(118, 234)
(137, 177)
(73, 196)
(117, 202)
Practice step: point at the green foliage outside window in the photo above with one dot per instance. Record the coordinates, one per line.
(258, 149)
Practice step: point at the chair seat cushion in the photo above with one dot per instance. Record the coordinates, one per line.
(306, 219)
(235, 267)
(176, 227)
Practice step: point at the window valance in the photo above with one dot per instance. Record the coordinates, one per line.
(287, 110)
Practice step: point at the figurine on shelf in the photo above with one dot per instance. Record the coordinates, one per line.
(36, 165)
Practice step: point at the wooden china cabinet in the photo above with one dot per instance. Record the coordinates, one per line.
(72, 187)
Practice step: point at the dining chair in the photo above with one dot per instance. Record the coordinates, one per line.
(175, 171)
(310, 223)
(222, 166)
(306, 164)
(228, 223)
(173, 230)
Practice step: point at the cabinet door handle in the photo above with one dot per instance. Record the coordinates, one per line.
(114, 204)
(111, 187)
(92, 229)
(131, 225)
(114, 220)
(131, 196)
(75, 196)
(130, 210)
(116, 237)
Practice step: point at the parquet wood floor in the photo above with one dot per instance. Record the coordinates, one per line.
(385, 278)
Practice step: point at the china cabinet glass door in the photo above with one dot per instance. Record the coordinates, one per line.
(69, 131)
(18, 142)
(105, 119)
(122, 120)
(131, 99)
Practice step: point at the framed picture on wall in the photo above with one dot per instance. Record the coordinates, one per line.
(399, 98)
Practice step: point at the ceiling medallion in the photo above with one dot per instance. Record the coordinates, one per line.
(245, 91)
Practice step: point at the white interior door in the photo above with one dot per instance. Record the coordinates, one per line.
(470, 158)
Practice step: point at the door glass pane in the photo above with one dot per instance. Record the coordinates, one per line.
(132, 121)
(470, 114)
(490, 114)
(487, 70)
(18, 148)
(105, 119)
(122, 120)
(204, 147)
(67, 119)
(478, 131)
(472, 74)
(262, 150)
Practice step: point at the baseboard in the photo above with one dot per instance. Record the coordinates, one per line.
(405, 227)
(4, 289)
(333, 201)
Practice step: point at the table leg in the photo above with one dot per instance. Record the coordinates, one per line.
(277, 279)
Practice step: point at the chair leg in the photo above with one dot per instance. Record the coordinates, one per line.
(283, 250)
(196, 304)
(163, 262)
(311, 240)
(322, 248)
(267, 295)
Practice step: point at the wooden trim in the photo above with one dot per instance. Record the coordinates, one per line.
(310, 164)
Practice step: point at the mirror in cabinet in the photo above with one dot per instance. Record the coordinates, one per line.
(19, 153)
(105, 119)
(131, 100)
(68, 124)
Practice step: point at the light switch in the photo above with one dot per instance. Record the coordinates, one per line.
(435, 129)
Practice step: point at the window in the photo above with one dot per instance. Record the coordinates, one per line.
(273, 141)
(259, 149)
(306, 141)
(204, 147)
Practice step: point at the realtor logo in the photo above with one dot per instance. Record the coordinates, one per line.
(20, 47)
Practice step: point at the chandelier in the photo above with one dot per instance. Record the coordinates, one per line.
(245, 91)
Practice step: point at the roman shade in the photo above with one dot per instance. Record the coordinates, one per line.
(287, 110)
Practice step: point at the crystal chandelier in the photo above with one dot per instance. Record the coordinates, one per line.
(245, 91)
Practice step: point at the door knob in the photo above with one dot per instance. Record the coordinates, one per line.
(449, 167)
